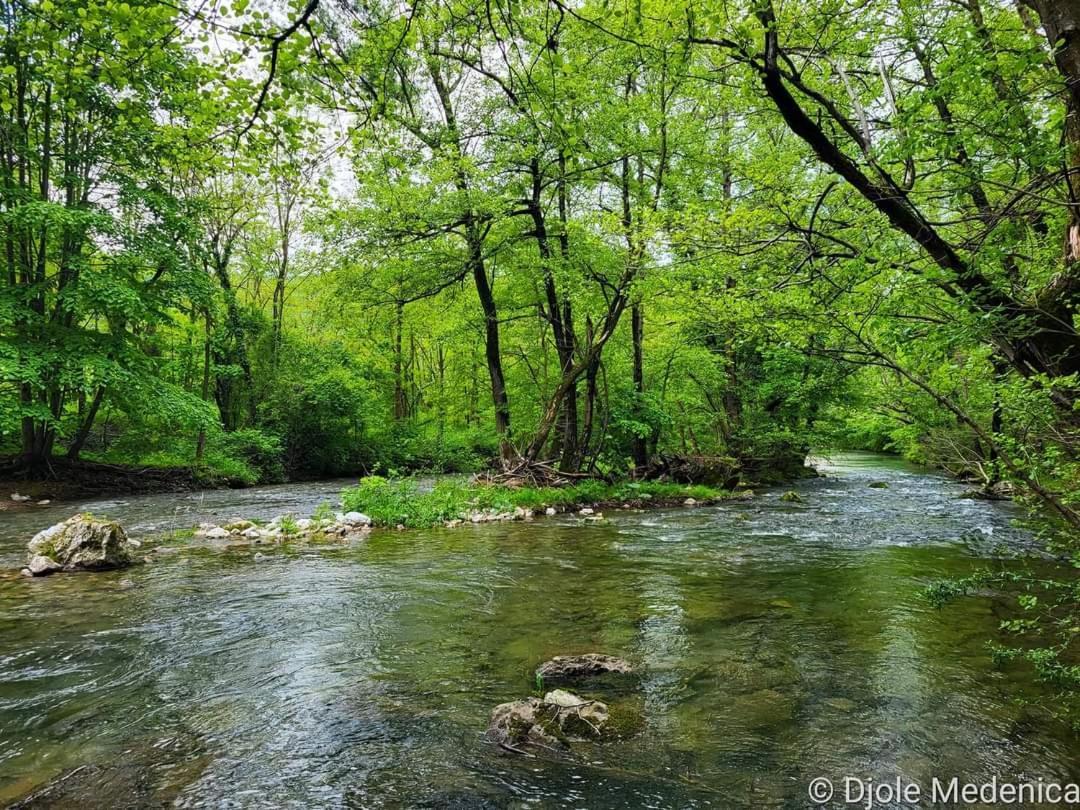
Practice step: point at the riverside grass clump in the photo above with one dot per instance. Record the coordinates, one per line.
(401, 502)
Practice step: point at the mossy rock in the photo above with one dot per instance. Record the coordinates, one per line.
(81, 543)
(625, 719)
(765, 708)
(791, 497)
(878, 485)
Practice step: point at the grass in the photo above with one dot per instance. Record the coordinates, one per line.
(393, 502)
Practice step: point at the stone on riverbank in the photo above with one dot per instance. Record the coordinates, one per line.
(80, 543)
(356, 519)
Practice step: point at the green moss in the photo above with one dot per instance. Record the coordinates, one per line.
(624, 721)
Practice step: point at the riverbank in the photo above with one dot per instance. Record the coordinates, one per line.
(69, 480)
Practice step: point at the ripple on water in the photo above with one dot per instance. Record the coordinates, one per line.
(777, 642)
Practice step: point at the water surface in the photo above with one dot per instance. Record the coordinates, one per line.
(778, 642)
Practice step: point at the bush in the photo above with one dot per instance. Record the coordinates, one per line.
(260, 451)
(410, 447)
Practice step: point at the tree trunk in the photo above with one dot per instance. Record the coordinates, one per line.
(200, 442)
(1048, 343)
(401, 408)
(474, 240)
(491, 347)
(637, 328)
(83, 433)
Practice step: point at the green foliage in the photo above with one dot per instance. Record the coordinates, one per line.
(392, 502)
(324, 512)
(1041, 631)
(260, 451)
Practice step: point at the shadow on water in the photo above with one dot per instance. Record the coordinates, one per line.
(778, 641)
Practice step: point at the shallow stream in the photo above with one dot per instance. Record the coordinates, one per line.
(778, 642)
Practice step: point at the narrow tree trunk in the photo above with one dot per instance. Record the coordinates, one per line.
(200, 443)
(492, 353)
(400, 406)
(87, 424)
(637, 327)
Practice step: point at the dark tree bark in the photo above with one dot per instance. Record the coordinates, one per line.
(640, 449)
(86, 425)
(474, 241)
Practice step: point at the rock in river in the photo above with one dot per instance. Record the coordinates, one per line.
(574, 667)
(561, 717)
(355, 519)
(81, 543)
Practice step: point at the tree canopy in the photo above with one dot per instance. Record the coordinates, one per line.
(269, 239)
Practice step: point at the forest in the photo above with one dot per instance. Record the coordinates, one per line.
(265, 241)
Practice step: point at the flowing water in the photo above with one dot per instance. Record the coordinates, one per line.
(777, 642)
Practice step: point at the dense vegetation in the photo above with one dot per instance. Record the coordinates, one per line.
(392, 503)
(273, 239)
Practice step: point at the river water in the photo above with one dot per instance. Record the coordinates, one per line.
(778, 642)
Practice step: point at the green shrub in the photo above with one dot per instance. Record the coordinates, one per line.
(389, 502)
(259, 450)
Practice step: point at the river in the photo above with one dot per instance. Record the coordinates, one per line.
(778, 642)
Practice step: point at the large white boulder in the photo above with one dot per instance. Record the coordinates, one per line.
(80, 543)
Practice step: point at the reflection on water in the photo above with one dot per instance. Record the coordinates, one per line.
(779, 641)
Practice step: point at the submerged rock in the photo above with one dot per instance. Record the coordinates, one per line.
(81, 543)
(878, 485)
(574, 667)
(40, 565)
(522, 721)
(791, 497)
(559, 718)
(578, 718)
